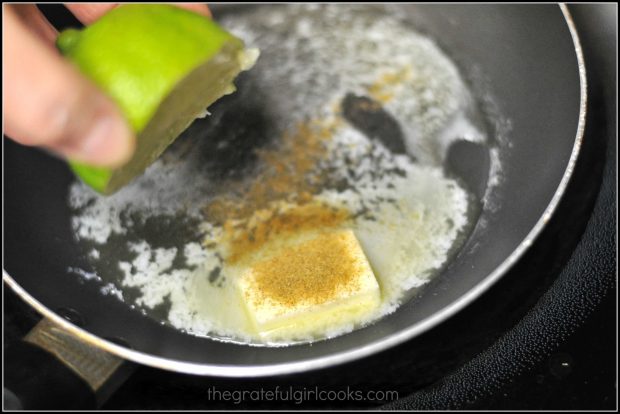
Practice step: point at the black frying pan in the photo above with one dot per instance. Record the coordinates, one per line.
(526, 57)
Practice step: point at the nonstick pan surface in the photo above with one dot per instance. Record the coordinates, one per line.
(525, 59)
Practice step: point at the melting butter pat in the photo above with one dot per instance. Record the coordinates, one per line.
(303, 289)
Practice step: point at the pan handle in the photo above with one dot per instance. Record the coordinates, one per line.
(69, 374)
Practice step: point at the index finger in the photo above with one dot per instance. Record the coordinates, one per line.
(89, 13)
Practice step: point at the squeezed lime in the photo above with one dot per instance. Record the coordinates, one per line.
(163, 66)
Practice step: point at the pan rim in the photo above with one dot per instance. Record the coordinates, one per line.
(382, 344)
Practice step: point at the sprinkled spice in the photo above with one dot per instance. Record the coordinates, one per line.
(279, 199)
(289, 173)
(312, 272)
(270, 224)
(382, 89)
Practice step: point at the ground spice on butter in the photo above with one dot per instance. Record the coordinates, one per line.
(311, 273)
(279, 201)
(291, 174)
(276, 223)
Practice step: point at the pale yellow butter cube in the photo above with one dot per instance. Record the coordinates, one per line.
(307, 288)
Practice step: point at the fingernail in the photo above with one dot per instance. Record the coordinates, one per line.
(109, 142)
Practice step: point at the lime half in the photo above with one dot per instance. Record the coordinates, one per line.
(163, 66)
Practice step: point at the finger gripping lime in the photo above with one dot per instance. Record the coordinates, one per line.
(163, 66)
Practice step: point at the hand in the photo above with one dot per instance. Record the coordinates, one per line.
(47, 102)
